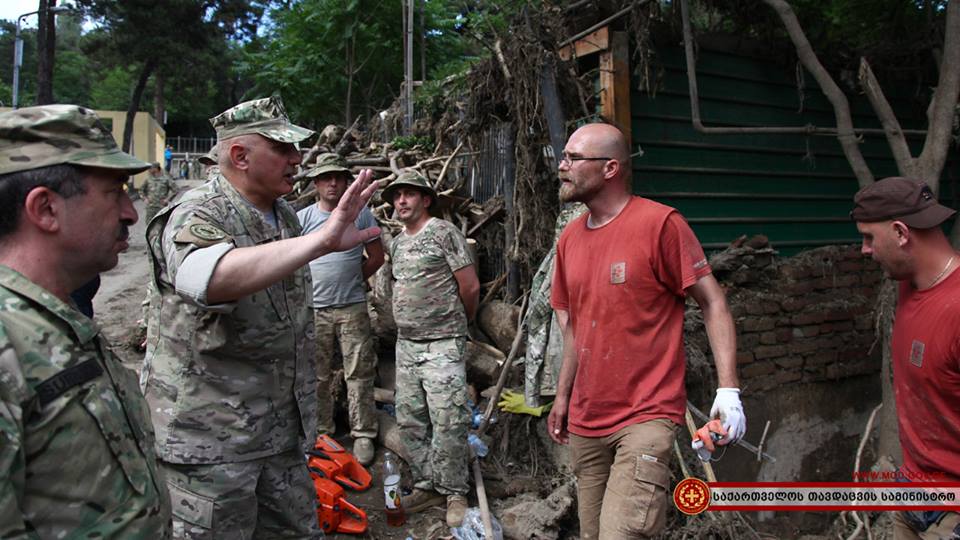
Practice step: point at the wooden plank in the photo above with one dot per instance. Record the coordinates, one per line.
(615, 84)
(592, 43)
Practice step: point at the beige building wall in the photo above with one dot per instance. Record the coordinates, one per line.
(149, 138)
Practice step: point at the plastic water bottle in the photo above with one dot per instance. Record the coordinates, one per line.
(479, 447)
(391, 491)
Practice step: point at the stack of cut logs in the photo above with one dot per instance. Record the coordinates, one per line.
(387, 162)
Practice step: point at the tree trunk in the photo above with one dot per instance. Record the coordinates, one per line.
(347, 112)
(888, 434)
(135, 102)
(841, 106)
(423, 42)
(944, 102)
(159, 104)
(927, 167)
(46, 48)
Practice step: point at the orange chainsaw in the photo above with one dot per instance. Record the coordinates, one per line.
(337, 464)
(334, 512)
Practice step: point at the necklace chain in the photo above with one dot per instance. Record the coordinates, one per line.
(942, 272)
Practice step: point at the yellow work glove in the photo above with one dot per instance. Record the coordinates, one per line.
(513, 402)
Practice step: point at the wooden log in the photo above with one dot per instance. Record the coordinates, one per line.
(483, 363)
(367, 161)
(382, 395)
(498, 320)
(388, 436)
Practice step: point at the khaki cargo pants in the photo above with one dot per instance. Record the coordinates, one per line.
(347, 329)
(623, 480)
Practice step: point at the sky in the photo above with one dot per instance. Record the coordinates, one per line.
(11, 9)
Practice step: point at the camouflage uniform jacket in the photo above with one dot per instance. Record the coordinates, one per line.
(426, 295)
(76, 445)
(227, 382)
(158, 190)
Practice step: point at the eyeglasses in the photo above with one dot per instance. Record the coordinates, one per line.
(565, 159)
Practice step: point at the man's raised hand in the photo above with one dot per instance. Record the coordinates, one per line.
(340, 232)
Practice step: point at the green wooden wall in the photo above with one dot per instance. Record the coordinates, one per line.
(795, 189)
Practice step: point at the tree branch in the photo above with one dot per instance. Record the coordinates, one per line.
(841, 107)
(891, 126)
(943, 105)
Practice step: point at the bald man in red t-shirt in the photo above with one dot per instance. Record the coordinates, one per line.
(623, 271)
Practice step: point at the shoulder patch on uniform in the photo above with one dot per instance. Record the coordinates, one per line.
(201, 233)
(205, 231)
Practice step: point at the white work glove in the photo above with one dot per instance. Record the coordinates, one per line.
(728, 408)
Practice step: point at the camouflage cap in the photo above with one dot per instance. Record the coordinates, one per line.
(266, 117)
(328, 163)
(34, 137)
(211, 157)
(412, 179)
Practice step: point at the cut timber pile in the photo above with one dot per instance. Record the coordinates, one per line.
(386, 162)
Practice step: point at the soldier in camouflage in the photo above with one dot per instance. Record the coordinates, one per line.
(157, 191)
(340, 311)
(435, 294)
(229, 371)
(76, 444)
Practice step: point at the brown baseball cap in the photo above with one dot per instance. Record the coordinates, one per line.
(901, 199)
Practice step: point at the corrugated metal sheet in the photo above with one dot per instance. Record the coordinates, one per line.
(795, 189)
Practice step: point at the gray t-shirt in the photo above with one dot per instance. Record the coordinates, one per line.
(337, 276)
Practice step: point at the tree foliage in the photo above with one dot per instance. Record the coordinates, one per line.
(333, 59)
(897, 36)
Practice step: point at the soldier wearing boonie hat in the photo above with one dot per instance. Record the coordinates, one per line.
(339, 304)
(409, 179)
(326, 163)
(229, 369)
(901, 223)
(435, 294)
(77, 441)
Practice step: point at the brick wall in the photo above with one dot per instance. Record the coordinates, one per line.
(808, 358)
(802, 319)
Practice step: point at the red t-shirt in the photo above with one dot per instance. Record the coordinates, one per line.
(926, 378)
(623, 286)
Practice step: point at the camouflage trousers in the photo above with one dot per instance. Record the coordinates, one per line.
(271, 497)
(150, 211)
(432, 412)
(348, 329)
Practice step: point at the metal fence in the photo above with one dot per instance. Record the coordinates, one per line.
(488, 168)
(191, 145)
(486, 172)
